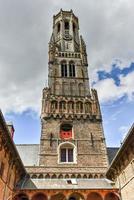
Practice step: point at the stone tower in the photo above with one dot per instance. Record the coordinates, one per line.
(72, 140)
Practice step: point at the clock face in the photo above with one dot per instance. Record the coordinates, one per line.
(67, 37)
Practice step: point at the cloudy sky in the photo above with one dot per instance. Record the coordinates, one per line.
(25, 28)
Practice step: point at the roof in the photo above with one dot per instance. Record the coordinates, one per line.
(29, 154)
(128, 141)
(64, 184)
(111, 151)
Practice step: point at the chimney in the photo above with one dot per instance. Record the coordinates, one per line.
(11, 129)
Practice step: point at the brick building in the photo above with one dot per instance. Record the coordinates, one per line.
(11, 167)
(71, 160)
(121, 170)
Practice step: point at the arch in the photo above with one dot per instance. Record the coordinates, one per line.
(66, 131)
(90, 176)
(70, 106)
(67, 176)
(81, 89)
(65, 88)
(21, 196)
(53, 176)
(47, 176)
(58, 196)
(39, 196)
(57, 88)
(79, 176)
(94, 196)
(84, 176)
(88, 107)
(40, 176)
(62, 106)
(95, 176)
(73, 176)
(74, 27)
(66, 25)
(63, 68)
(79, 107)
(66, 152)
(60, 176)
(102, 176)
(34, 176)
(54, 106)
(71, 69)
(111, 196)
(73, 88)
(58, 27)
(76, 196)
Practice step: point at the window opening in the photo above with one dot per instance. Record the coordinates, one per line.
(66, 25)
(64, 70)
(71, 70)
(58, 28)
(66, 155)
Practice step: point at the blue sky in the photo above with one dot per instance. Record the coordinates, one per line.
(118, 114)
(26, 27)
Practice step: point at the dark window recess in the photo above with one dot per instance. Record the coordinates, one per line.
(58, 28)
(66, 25)
(70, 155)
(64, 70)
(66, 127)
(66, 155)
(72, 70)
(63, 155)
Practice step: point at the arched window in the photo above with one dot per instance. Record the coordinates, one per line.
(66, 25)
(74, 27)
(64, 69)
(71, 69)
(79, 107)
(88, 107)
(70, 106)
(54, 106)
(58, 27)
(62, 106)
(81, 89)
(21, 196)
(67, 153)
(66, 131)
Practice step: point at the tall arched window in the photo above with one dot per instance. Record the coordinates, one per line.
(66, 131)
(70, 106)
(62, 106)
(63, 69)
(67, 153)
(66, 25)
(54, 106)
(71, 69)
(79, 107)
(81, 89)
(58, 27)
(88, 107)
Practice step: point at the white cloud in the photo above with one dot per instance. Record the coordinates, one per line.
(107, 27)
(109, 91)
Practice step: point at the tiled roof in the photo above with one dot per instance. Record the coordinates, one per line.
(111, 153)
(29, 154)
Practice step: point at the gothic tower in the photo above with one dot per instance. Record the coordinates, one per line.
(72, 140)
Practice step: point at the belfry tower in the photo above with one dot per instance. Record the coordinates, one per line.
(72, 140)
